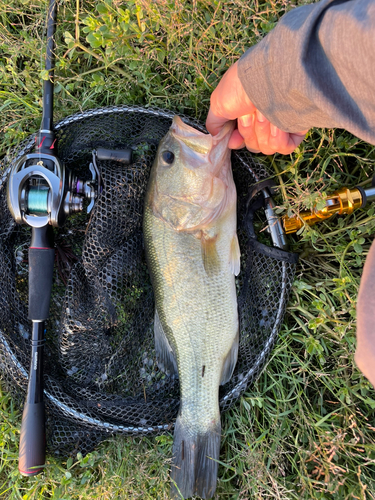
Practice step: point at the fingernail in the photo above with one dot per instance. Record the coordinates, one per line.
(274, 130)
(247, 120)
(260, 117)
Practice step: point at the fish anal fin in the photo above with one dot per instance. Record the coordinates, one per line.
(230, 362)
(164, 352)
(195, 461)
(235, 255)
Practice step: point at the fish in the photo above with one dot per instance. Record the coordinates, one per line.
(193, 256)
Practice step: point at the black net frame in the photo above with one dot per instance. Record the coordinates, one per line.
(101, 373)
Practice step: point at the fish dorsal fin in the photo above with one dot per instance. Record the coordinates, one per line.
(193, 138)
(234, 256)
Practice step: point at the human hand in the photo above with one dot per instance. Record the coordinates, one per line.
(229, 101)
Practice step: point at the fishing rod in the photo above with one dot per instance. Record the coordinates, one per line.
(34, 185)
(42, 193)
(342, 202)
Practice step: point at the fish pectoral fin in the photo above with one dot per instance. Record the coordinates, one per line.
(210, 257)
(230, 361)
(235, 256)
(195, 461)
(164, 351)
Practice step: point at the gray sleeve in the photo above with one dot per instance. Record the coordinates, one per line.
(317, 69)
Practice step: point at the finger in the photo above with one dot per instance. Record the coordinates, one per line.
(279, 141)
(296, 139)
(262, 131)
(304, 132)
(246, 129)
(228, 101)
(236, 140)
(215, 123)
(283, 142)
(252, 150)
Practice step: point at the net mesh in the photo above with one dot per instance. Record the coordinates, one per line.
(101, 372)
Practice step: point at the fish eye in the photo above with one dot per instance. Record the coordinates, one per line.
(168, 157)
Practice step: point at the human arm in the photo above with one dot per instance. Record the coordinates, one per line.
(230, 102)
(315, 69)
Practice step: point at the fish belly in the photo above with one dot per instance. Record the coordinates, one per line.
(198, 314)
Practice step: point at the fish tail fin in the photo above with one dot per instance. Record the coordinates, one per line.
(195, 461)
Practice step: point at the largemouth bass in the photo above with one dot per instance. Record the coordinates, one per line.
(193, 256)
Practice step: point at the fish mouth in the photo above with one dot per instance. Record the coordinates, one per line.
(193, 138)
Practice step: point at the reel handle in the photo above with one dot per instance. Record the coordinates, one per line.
(123, 156)
(41, 262)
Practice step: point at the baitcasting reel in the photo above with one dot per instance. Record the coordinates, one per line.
(42, 191)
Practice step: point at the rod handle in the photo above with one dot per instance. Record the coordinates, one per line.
(32, 454)
(41, 262)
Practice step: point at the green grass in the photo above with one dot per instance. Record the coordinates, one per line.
(306, 429)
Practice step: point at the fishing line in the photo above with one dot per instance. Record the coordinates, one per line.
(38, 200)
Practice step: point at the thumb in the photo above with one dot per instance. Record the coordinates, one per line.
(229, 101)
(215, 123)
